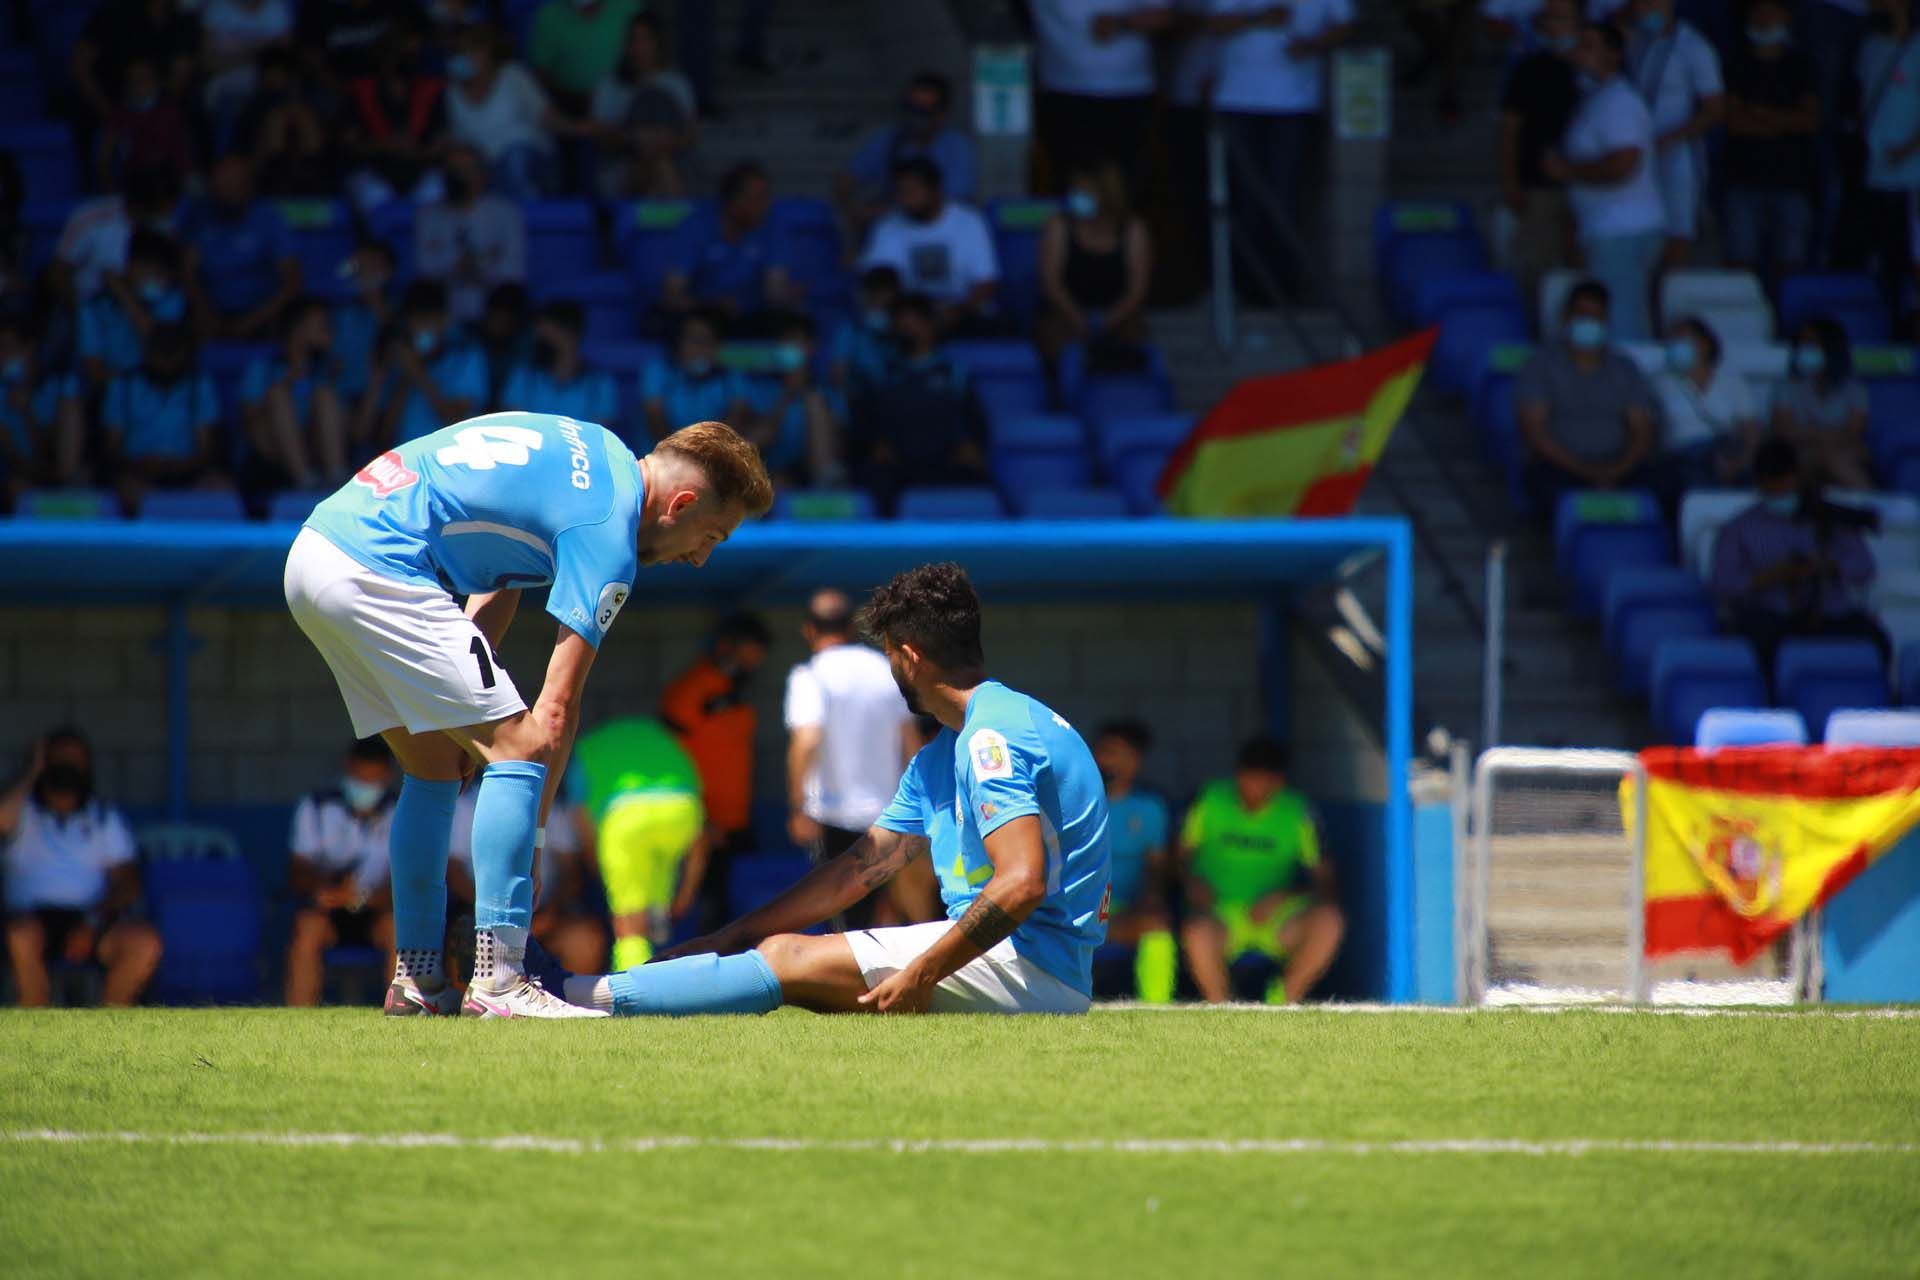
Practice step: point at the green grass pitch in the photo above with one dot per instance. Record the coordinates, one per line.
(587, 1199)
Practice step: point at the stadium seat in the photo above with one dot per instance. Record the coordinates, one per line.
(1893, 420)
(1016, 225)
(755, 879)
(1597, 533)
(1397, 220)
(1435, 295)
(1908, 664)
(1749, 727)
(294, 506)
(1071, 504)
(1816, 676)
(1692, 674)
(563, 239)
(1703, 513)
(606, 297)
(1137, 476)
(1873, 727)
(1643, 606)
(1159, 433)
(823, 505)
(1733, 303)
(1022, 471)
(1048, 432)
(322, 233)
(1468, 334)
(1410, 257)
(815, 258)
(22, 95)
(208, 912)
(68, 504)
(1807, 295)
(982, 357)
(650, 243)
(1003, 394)
(955, 502)
(1104, 396)
(44, 150)
(622, 357)
(192, 504)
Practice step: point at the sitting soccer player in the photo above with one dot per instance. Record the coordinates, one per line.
(1255, 880)
(1137, 830)
(1008, 803)
(339, 868)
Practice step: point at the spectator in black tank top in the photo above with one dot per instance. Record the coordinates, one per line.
(1534, 112)
(1095, 261)
(1773, 116)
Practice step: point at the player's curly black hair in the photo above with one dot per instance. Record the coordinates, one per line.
(933, 608)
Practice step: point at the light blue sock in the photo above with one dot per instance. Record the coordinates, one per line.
(417, 856)
(505, 812)
(697, 984)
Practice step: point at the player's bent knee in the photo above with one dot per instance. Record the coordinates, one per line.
(24, 933)
(789, 955)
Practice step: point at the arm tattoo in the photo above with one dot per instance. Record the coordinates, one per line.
(985, 925)
(879, 855)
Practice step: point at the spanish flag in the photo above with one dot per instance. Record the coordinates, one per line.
(1301, 443)
(1741, 842)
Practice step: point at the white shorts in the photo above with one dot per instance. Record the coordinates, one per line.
(403, 654)
(998, 982)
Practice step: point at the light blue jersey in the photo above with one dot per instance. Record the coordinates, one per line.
(1013, 758)
(500, 501)
(1137, 827)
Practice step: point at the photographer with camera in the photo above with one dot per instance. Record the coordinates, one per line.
(1793, 564)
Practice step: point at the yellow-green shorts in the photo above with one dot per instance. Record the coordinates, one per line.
(1245, 934)
(642, 841)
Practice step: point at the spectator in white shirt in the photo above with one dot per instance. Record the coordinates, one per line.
(1710, 418)
(1606, 160)
(1678, 75)
(71, 877)
(338, 873)
(940, 248)
(237, 32)
(498, 107)
(848, 735)
(1270, 89)
(1095, 73)
(473, 239)
(93, 243)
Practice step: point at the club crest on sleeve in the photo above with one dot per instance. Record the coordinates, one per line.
(612, 596)
(386, 475)
(990, 759)
(989, 811)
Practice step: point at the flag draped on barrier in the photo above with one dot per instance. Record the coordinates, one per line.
(1300, 443)
(1741, 842)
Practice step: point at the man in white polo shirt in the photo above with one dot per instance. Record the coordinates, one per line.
(1095, 70)
(1678, 75)
(940, 247)
(1607, 162)
(848, 732)
(338, 868)
(71, 876)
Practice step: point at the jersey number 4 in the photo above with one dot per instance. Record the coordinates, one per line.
(484, 448)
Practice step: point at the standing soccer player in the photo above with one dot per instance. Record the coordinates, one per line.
(483, 509)
(1008, 803)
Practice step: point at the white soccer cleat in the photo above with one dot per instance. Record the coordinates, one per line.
(526, 999)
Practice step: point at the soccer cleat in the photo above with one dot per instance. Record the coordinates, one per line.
(405, 1000)
(527, 999)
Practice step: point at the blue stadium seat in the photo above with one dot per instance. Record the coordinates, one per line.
(1749, 727)
(1022, 471)
(392, 225)
(1412, 259)
(208, 912)
(1905, 475)
(226, 363)
(1806, 295)
(1468, 335)
(1397, 220)
(815, 258)
(1004, 394)
(562, 240)
(957, 502)
(1105, 396)
(1893, 420)
(755, 879)
(1137, 476)
(1644, 605)
(649, 241)
(1816, 676)
(47, 162)
(1434, 296)
(622, 357)
(1072, 370)
(192, 504)
(1159, 433)
(612, 312)
(823, 505)
(1694, 674)
(1048, 432)
(1597, 532)
(1909, 665)
(1072, 504)
(1876, 727)
(322, 233)
(294, 506)
(992, 356)
(1016, 226)
(68, 504)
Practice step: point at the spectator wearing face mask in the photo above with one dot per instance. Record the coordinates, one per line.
(72, 877)
(797, 422)
(473, 240)
(497, 107)
(504, 337)
(736, 258)
(94, 241)
(1822, 408)
(693, 387)
(649, 118)
(280, 130)
(920, 424)
(296, 427)
(1535, 110)
(1773, 117)
(555, 380)
(941, 249)
(338, 868)
(1606, 161)
(1710, 419)
(924, 129)
(160, 421)
(425, 378)
(1677, 72)
(147, 127)
(1586, 412)
(115, 324)
(1096, 260)
(394, 120)
(861, 344)
(241, 271)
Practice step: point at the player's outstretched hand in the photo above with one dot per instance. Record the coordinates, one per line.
(899, 993)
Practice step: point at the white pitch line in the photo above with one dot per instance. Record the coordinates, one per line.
(1569, 1147)
(1455, 1010)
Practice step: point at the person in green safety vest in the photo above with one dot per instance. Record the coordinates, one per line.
(1255, 879)
(641, 794)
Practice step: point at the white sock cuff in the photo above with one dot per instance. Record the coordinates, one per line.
(590, 991)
